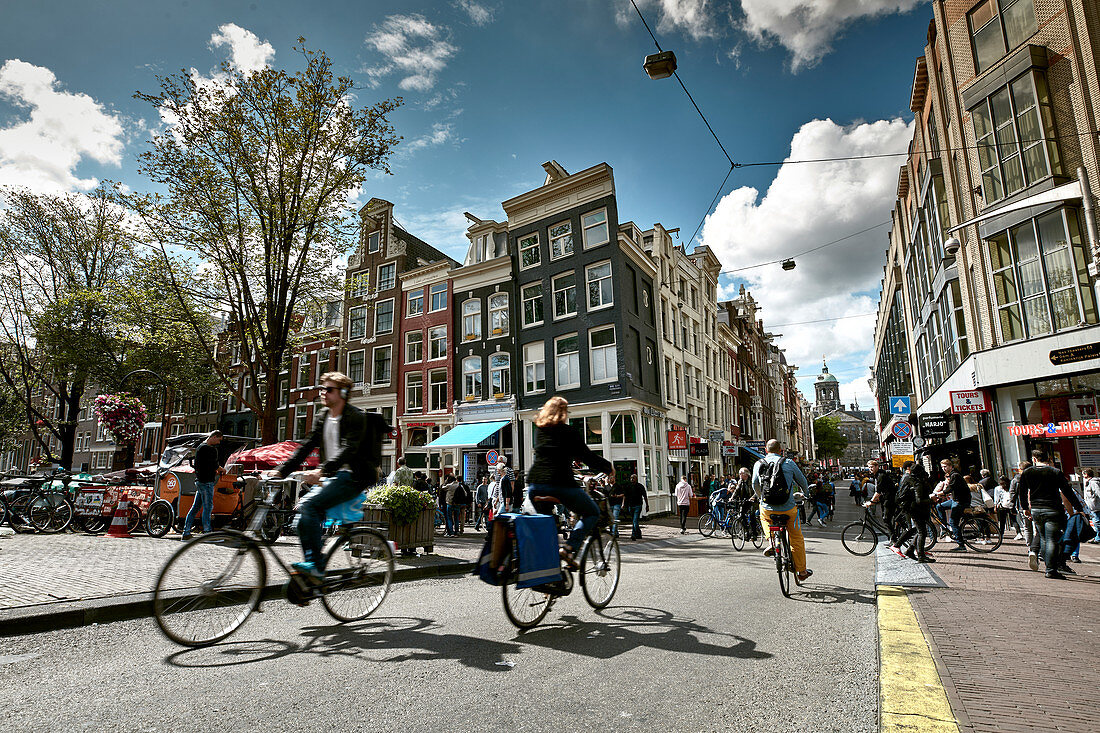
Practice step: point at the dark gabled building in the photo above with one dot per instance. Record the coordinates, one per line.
(585, 317)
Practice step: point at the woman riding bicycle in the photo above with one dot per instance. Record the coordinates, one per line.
(557, 445)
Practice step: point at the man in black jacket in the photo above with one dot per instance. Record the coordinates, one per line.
(633, 497)
(1041, 491)
(350, 443)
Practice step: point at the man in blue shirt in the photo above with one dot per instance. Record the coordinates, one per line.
(798, 485)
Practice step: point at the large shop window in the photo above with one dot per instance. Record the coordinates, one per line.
(997, 27)
(1014, 128)
(1040, 277)
(623, 429)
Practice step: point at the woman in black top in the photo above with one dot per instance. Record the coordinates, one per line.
(557, 445)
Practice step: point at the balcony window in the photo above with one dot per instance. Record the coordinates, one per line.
(565, 295)
(534, 367)
(498, 315)
(471, 320)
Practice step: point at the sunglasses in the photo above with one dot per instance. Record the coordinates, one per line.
(325, 390)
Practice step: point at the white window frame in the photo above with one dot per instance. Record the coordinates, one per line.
(533, 237)
(432, 342)
(409, 383)
(505, 371)
(523, 304)
(373, 358)
(572, 244)
(473, 376)
(612, 374)
(360, 284)
(554, 295)
(409, 342)
(375, 239)
(432, 384)
(433, 291)
(530, 368)
(571, 357)
(352, 313)
(585, 228)
(415, 295)
(363, 354)
(588, 282)
(467, 334)
(377, 312)
(493, 310)
(389, 281)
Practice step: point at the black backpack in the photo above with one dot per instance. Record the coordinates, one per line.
(773, 482)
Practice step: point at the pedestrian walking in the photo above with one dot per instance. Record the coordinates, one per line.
(683, 502)
(463, 499)
(1043, 489)
(1026, 532)
(914, 502)
(634, 498)
(451, 513)
(615, 495)
(1092, 502)
(207, 469)
(481, 503)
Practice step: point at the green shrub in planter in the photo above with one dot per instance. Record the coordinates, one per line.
(403, 502)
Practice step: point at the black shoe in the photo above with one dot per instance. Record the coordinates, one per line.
(1055, 575)
(960, 548)
(1063, 568)
(926, 559)
(186, 536)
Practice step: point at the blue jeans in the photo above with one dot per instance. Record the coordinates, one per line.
(951, 512)
(204, 497)
(312, 509)
(636, 521)
(454, 513)
(1049, 526)
(616, 511)
(579, 502)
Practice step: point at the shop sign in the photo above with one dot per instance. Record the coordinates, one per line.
(677, 439)
(935, 426)
(757, 445)
(421, 425)
(1066, 429)
(729, 448)
(652, 411)
(700, 449)
(717, 435)
(969, 400)
(1073, 354)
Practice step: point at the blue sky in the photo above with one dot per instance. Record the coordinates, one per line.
(493, 89)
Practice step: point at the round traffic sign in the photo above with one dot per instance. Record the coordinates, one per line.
(491, 457)
(902, 430)
(918, 442)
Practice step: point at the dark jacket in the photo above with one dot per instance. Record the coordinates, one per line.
(206, 463)
(886, 487)
(556, 447)
(958, 490)
(1042, 487)
(913, 494)
(361, 436)
(632, 493)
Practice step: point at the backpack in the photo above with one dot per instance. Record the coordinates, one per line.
(774, 489)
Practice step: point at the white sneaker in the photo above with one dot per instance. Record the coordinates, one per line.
(1017, 538)
(820, 522)
(1033, 561)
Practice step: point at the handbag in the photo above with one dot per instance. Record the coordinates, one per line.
(987, 499)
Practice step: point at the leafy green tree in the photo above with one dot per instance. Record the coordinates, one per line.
(830, 441)
(255, 173)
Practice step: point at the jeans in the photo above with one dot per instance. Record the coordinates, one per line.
(822, 509)
(683, 510)
(312, 510)
(580, 503)
(479, 514)
(951, 512)
(635, 513)
(917, 532)
(453, 516)
(1049, 525)
(204, 497)
(616, 510)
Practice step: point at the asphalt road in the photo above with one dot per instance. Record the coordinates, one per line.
(698, 638)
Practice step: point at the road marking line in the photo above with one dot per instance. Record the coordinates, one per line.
(912, 696)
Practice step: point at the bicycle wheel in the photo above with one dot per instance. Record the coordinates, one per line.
(93, 524)
(706, 525)
(600, 566)
(50, 513)
(358, 573)
(757, 532)
(20, 511)
(784, 564)
(858, 538)
(737, 534)
(931, 536)
(209, 588)
(981, 534)
(271, 528)
(524, 607)
(159, 518)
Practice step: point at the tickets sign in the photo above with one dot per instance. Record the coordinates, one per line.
(970, 400)
(1067, 429)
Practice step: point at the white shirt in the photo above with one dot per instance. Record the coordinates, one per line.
(332, 437)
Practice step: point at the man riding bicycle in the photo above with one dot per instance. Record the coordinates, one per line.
(350, 443)
(794, 479)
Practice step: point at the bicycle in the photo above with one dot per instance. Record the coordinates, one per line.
(781, 549)
(979, 532)
(714, 520)
(600, 563)
(197, 601)
(861, 537)
(744, 525)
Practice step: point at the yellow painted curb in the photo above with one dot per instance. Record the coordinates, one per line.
(912, 695)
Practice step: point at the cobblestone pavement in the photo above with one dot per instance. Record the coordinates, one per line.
(1015, 651)
(43, 569)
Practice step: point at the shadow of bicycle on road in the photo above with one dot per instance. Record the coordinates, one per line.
(621, 629)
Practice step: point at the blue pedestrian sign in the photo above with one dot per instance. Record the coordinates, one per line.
(900, 405)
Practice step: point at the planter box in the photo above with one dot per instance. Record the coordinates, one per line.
(419, 533)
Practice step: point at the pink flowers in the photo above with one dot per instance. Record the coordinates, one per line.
(123, 416)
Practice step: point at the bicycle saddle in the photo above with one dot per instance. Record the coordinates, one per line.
(778, 520)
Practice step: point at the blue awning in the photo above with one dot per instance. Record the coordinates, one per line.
(750, 450)
(467, 435)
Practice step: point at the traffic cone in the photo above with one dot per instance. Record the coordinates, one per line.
(120, 521)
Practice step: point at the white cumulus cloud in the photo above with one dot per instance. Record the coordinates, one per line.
(479, 14)
(440, 133)
(807, 28)
(807, 205)
(58, 131)
(413, 47)
(694, 18)
(246, 51)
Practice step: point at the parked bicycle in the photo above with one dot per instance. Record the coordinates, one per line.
(212, 584)
(599, 567)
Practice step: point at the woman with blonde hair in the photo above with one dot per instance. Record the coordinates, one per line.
(557, 445)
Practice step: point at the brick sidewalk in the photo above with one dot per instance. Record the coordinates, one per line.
(1015, 651)
(44, 569)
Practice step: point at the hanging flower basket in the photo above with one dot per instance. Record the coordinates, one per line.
(123, 415)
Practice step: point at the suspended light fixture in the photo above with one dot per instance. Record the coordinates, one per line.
(660, 65)
(788, 264)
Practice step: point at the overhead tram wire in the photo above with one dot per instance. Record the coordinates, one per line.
(821, 320)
